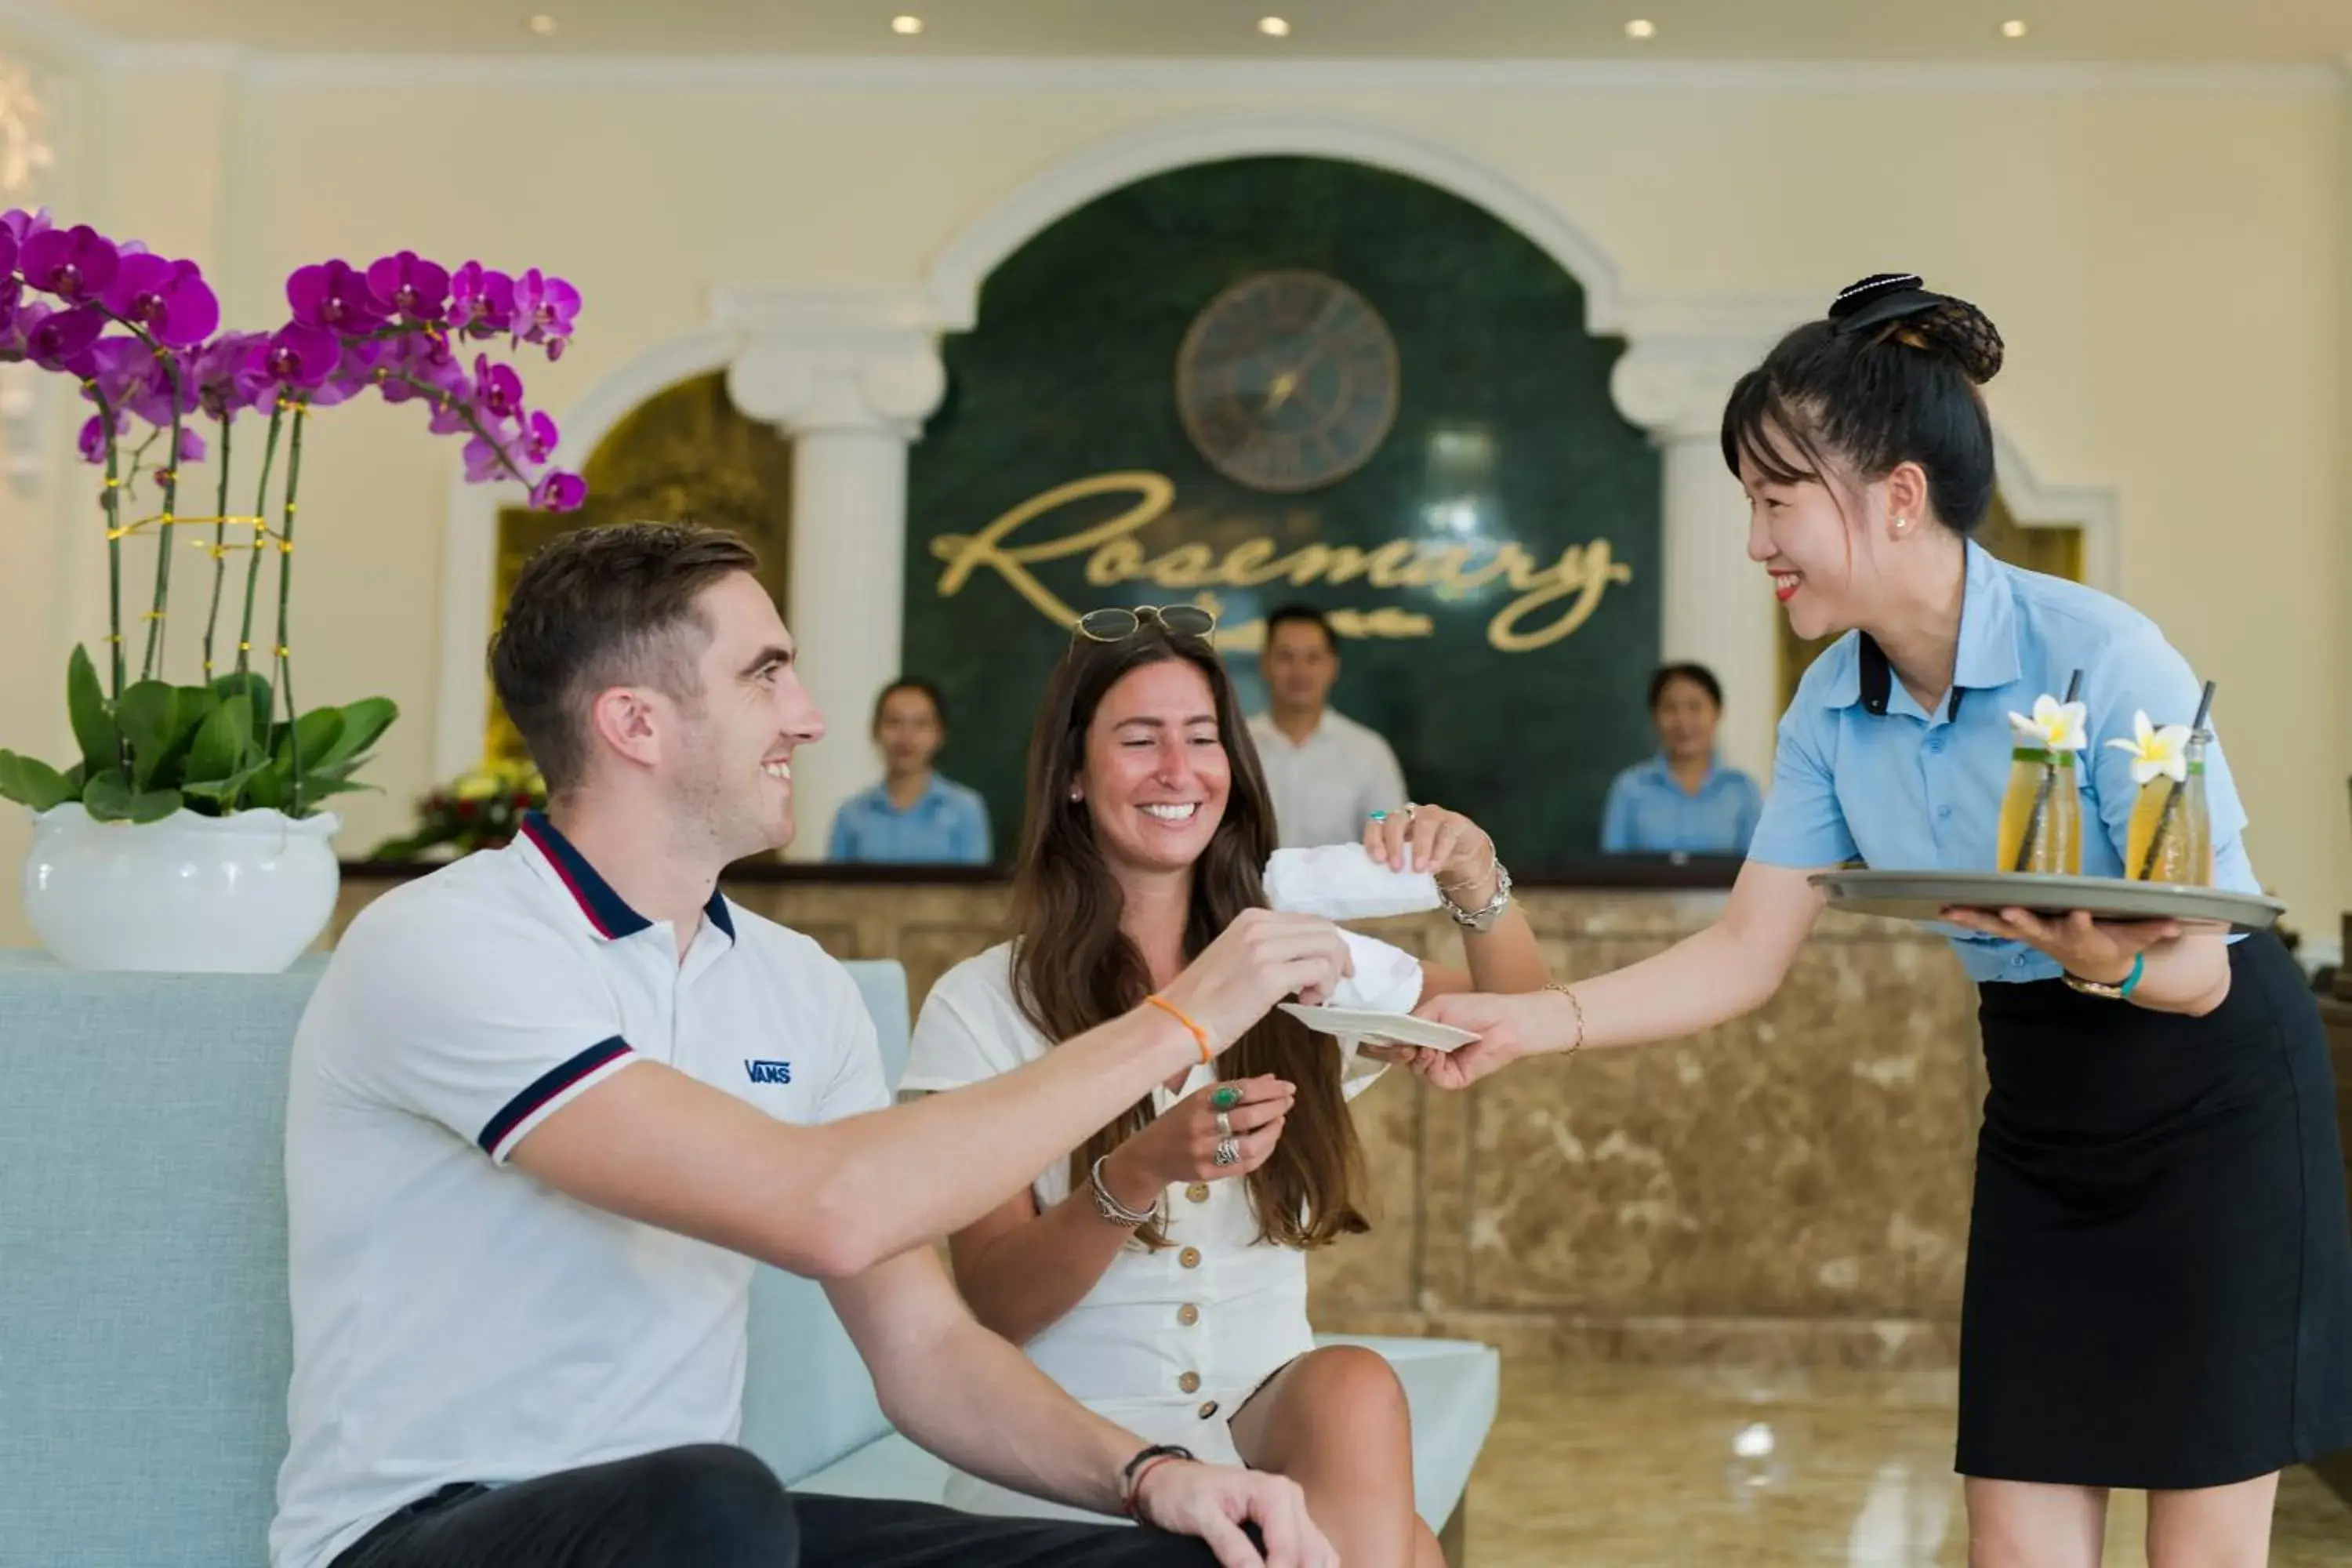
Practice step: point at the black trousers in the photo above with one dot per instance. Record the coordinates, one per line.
(711, 1506)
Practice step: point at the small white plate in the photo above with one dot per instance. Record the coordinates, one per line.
(1380, 1029)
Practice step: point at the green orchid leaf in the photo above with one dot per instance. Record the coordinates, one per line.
(33, 784)
(364, 722)
(256, 691)
(315, 734)
(224, 744)
(93, 720)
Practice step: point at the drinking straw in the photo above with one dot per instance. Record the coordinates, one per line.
(2172, 796)
(2041, 796)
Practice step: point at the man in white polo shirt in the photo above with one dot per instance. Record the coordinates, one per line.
(1327, 773)
(550, 1104)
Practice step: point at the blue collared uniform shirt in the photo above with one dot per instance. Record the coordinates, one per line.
(1901, 789)
(948, 825)
(1649, 812)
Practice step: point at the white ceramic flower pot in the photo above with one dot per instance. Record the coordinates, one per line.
(244, 894)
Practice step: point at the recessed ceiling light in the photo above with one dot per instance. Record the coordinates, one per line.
(906, 27)
(1274, 26)
(2013, 29)
(542, 24)
(1640, 27)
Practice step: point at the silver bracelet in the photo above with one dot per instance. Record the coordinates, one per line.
(1482, 919)
(1106, 1203)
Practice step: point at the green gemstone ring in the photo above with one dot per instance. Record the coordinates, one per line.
(1226, 1098)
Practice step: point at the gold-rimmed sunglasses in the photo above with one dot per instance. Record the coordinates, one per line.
(1116, 622)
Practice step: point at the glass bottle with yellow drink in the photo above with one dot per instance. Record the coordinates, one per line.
(2042, 811)
(2170, 835)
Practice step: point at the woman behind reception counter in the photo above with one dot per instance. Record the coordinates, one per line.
(1681, 801)
(914, 816)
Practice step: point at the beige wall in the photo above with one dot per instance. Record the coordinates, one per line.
(2166, 260)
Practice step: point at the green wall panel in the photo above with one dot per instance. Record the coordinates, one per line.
(1504, 459)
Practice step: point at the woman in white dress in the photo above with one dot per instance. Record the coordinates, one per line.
(1161, 1274)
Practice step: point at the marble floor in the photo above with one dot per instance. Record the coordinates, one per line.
(1605, 1466)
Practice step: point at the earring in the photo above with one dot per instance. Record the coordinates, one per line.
(1902, 525)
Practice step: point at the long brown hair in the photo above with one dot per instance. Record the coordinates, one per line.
(1073, 967)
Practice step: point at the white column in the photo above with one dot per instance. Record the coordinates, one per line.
(852, 392)
(1719, 608)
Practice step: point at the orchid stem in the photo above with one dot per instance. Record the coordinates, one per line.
(260, 511)
(220, 554)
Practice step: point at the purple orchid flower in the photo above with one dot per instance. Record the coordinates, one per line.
(299, 356)
(7, 250)
(545, 310)
(559, 491)
(74, 264)
(227, 380)
(16, 328)
(11, 291)
(498, 389)
(354, 373)
(91, 442)
(191, 446)
(63, 341)
(334, 296)
(486, 461)
(539, 438)
(481, 302)
(170, 299)
(120, 370)
(22, 225)
(408, 285)
(421, 366)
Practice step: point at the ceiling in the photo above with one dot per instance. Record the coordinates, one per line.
(2136, 32)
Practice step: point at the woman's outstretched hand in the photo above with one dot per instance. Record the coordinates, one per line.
(1508, 1027)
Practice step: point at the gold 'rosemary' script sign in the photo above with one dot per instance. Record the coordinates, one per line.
(1550, 600)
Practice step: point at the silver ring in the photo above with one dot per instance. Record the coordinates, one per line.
(1227, 1152)
(1224, 1125)
(1408, 809)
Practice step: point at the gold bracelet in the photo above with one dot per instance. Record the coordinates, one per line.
(1562, 989)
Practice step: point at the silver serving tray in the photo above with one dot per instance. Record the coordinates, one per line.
(1925, 895)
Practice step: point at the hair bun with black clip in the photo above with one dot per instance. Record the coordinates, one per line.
(1880, 297)
(1953, 326)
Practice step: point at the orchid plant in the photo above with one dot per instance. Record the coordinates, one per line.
(140, 333)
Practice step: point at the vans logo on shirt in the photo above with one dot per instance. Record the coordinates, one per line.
(768, 1072)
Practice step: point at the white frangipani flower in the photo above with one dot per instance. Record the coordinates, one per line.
(2056, 726)
(2155, 753)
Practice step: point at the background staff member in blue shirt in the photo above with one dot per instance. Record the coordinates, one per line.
(1681, 800)
(913, 817)
(2159, 1272)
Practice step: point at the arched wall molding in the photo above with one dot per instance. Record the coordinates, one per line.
(963, 265)
(2096, 509)
(469, 543)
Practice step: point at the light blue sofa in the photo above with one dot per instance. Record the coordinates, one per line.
(144, 1337)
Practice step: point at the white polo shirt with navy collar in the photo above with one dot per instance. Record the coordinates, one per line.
(454, 1319)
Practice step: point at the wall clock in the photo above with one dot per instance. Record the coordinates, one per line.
(1287, 381)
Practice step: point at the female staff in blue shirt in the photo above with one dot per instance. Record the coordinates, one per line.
(2159, 1271)
(914, 816)
(1681, 801)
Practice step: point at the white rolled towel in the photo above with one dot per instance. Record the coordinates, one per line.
(1342, 882)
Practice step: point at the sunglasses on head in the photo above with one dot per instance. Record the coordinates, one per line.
(1117, 623)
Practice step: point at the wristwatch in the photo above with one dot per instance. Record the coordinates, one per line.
(1482, 919)
(2119, 992)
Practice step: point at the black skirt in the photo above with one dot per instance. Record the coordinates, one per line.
(2159, 1280)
